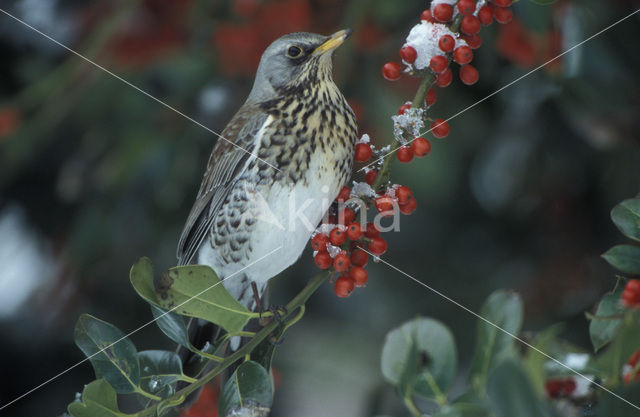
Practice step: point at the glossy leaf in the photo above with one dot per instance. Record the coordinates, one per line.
(113, 356)
(504, 309)
(605, 323)
(626, 217)
(250, 391)
(623, 345)
(510, 393)
(192, 290)
(172, 325)
(98, 400)
(159, 368)
(625, 258)
(418, 355)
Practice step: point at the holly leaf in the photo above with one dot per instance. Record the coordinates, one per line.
(159, 369)
(112, 354)
(626, 217)
(510, 392)
(420, 357)
(625, 258)
(624, 344)
(172, 325)
(605, 323)
(192, 290)
(98, 400)
(248, 392)
(505, 310)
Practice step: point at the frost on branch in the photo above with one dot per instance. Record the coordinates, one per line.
(362, 189)
(410, 122)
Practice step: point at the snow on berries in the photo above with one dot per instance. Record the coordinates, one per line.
(424, 38)
(410, 122)
(630, 370)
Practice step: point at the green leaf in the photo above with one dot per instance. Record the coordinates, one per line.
(543, 2)
(463, 410)
(623, 345)
(172, 325)
(421, 355)
(604, 325)
(505, 310)
(625, 258)
(510, 393)
(192, 290)
(159, 369)
(626, 217)
(611, 406)
(249, 389)
(98, 400)
(112, 355)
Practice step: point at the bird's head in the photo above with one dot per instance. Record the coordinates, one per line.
(295, 61)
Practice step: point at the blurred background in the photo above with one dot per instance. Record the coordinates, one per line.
(94, 175)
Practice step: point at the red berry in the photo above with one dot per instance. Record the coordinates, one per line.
(346, 216)
(341, 262)
(439, 128)
(402, 194)
(502, 15)
(409, 207)
(502, 3)
(474, 41)
(363, 152)
(337, 236)
(406, 106)
(354, 231)
(359, 276)
(446, 43)
(377, 246)
(420, 147)
(438, 63)
(372, 230)
(426, 15)
(370, 177)
(344, 194)
(319, 242)
(404, 154)
(633, 285)
(469, 74)
(485, 15)
(359, 257)
(392, 71)
(442, 12)
(466, 7)
(408, 54)
(322, 260)
(470, 25)
(631, 294)
(444, 79)
(384, 204)
(431, 97)
(343, 287)
(463, 55)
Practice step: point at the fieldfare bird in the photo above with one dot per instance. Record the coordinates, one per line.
(286, 153)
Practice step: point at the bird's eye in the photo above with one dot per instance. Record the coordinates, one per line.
(294, 51)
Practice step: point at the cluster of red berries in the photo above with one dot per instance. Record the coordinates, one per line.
(560, 387)
(631, 295)
(631, 370)
(470, 25)
(343, 248)
(396, 196)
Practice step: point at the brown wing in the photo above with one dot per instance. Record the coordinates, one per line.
(226, 164)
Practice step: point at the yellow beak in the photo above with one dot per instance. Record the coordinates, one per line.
(333, 42)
